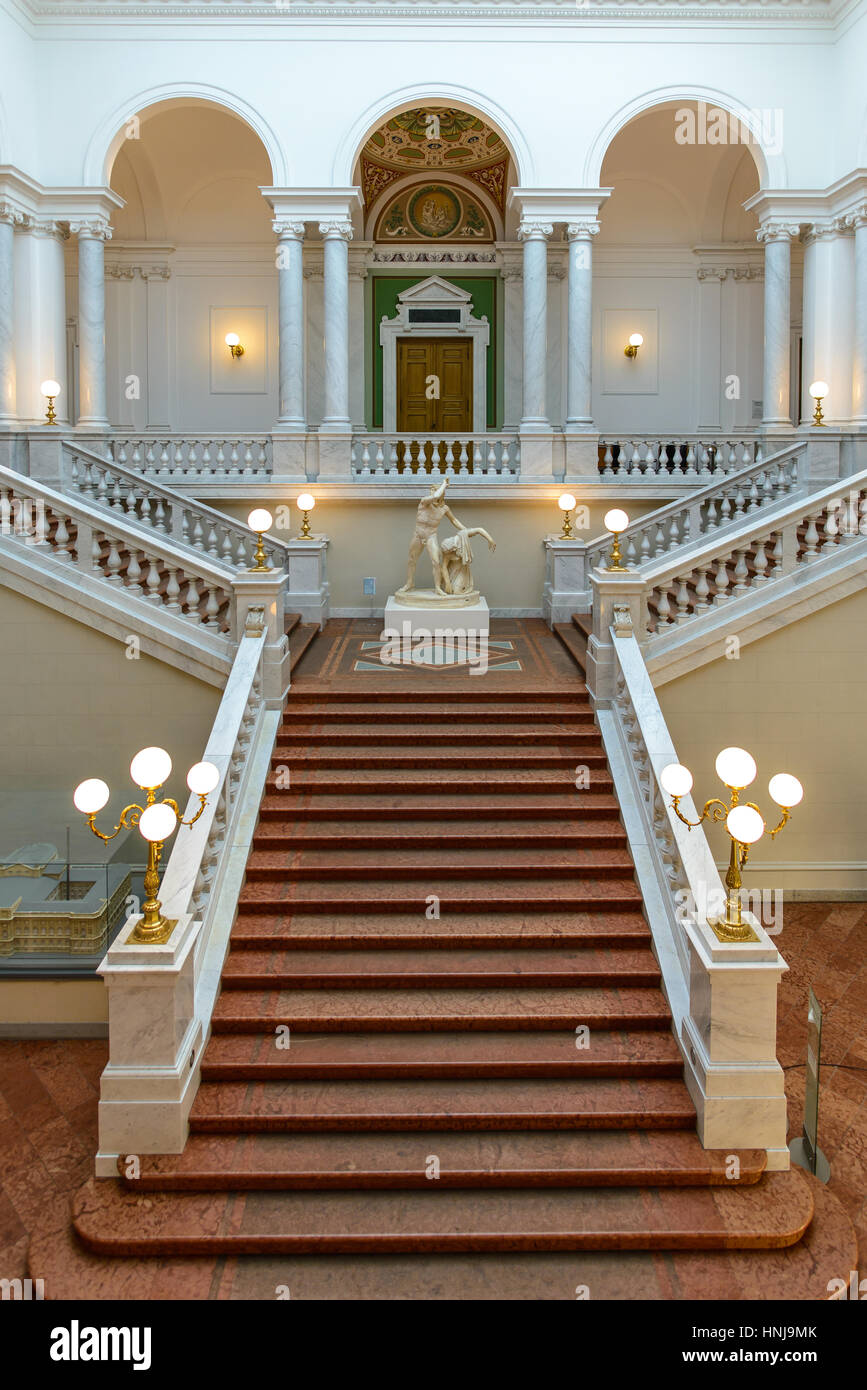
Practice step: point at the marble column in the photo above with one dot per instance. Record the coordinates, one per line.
(290, 279)
(336, 235)
(92, 234)
(859, 344)
(777, 238)
(535, 235)
(47, 293)
(8, 218)
(579, 328)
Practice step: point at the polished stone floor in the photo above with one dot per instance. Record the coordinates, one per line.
(48, 1090)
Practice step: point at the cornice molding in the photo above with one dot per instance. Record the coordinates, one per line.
(823, 12)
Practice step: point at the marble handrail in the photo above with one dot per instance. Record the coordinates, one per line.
(723, 995)
(765, 548)
(726, 499)
(110, 550)
(105, 482)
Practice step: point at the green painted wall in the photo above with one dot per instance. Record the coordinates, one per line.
(382, 302)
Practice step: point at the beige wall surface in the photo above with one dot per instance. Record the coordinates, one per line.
(53, 1008)
(72, 705)
(796, 699)
(372, 539)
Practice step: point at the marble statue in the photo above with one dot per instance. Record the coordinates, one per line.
(451, 559)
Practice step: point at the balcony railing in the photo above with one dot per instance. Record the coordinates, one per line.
(399, 456)
(686, 457)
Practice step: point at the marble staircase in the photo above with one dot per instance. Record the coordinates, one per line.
(442, 1036)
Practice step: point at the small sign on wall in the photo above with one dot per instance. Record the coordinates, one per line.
(245, 374)
(630, 376)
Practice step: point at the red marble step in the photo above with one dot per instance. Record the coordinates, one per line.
(368, 1056)
(432, 736)
(290, 622)
(424, 760)
(398, 1105)
(478, 895)
(565, 1158)
(799, 1273)
(575, 645)
(422, 866)
(420, 969)
(425, 695)
(257, 930)
(583, 623)
(299, 641)
(772, 1215)
(514, 711)
(440, 1010)
(294, 803)
(374, 835)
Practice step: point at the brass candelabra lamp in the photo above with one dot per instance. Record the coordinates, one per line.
(615, 521)
(156, 821)
(306, 503)
(736, 768)
(566, 503)
(260, 520)
(818, 390)
(50, 390)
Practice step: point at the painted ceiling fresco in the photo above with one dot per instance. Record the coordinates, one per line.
(435, 138)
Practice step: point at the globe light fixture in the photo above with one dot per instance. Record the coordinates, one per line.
(50, 390)
(156, 821)
(744, 823)
(676, 779)
(260, 520)
(615, 521)
(566, 503)
(736, 768)
(306, 503)
(233, 343)
(635, 342)
(818, 390)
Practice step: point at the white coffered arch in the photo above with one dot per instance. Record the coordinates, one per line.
(446, 94)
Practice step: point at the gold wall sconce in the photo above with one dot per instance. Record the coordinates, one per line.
(615, 521)
(50, 390)
(635, 342)
(306, 503)
(567, 504)
(233, 343)
(260, 520)
(736, 769)
(156, 821)
(818, 390)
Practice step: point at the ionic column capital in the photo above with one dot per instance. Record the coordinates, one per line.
(12, 215)
(288, 229)
(91, 229)
(583, 230)
(529, 230)
(48, 227)
(336, 229)
(777, 230)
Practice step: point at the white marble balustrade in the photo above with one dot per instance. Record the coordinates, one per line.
(185, 458)
(194, 589)
(469, 456)
(723, 995)
(191, 523)
(725, 500)
(689, 457)
(812, 529)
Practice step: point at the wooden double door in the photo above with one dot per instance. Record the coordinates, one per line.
(435, 386)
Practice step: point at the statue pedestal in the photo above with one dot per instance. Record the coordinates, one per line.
(432, 632)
